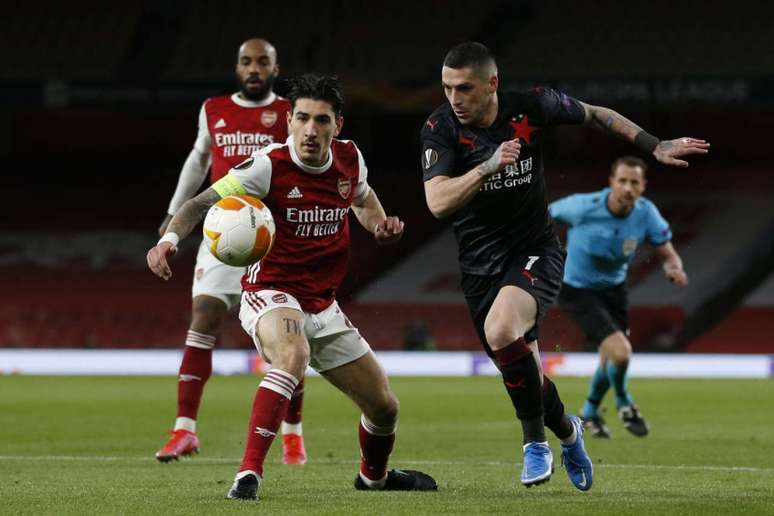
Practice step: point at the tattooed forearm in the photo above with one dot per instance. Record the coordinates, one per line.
(292, 326)
(192, 212)
(611, 122)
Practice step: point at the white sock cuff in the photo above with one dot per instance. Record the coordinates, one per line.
(185, 423)
(200, 340)
(373, 429)
(373, 484)
(570, 439)
(292, 428)
(279, 381)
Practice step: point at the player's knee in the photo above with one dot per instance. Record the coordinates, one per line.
(208, 315)
(503, 327)
(499, 332)
(292, 357)
(617, 348)
(384, 411)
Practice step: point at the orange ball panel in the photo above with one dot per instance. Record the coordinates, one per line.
(252, 200)
(262, 244)
(230, 203)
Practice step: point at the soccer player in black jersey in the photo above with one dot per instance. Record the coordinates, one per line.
(483, 168)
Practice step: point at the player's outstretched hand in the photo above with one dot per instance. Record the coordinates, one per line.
(506, 154)
(157, 259)
(678, 277)
(164, 224)
(389, 231)
(668, 151)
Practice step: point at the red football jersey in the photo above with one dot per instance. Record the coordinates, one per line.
(237, 128)
(310, 207)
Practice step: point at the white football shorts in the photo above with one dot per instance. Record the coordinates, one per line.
(216, 279)
(333, 340)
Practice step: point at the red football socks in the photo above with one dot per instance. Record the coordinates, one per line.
(375, 447)
(195, 370)
(269, 408)
(293, 417)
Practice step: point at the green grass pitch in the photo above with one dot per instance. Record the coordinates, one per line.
(75, 445)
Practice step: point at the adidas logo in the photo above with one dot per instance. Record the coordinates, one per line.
(295, 193)
(220, 123)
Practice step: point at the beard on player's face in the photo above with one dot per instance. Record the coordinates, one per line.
(254, 88)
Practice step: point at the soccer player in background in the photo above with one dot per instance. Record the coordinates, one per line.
(231, 128)
(605, 229)
(289, 305)
(483, 168)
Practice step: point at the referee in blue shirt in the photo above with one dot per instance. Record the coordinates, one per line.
(605, 229)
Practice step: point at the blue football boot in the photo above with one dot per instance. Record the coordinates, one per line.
(576, 460)
(538, 464)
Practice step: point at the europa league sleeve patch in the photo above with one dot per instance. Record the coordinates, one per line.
(429, 158)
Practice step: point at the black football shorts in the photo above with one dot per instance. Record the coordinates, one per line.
(599, 313)
(539, 273)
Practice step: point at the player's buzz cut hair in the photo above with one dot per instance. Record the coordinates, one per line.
(317, 87)
(629, 161)
(474, 55)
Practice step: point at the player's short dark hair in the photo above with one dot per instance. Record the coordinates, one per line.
(474, 55)
(629, 161)
(316, 87)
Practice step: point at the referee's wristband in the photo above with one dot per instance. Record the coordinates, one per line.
(646, 142)
(172, 238)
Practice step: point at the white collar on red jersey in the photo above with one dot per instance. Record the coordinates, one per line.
(239, 101)
(303, 166)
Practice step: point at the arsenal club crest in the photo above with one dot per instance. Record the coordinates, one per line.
(269, 118)
(345, 186)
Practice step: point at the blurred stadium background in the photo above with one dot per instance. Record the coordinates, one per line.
(98, 110)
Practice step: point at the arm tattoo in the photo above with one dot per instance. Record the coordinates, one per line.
(612, 122)
(665, 145)
(292, 326)
(192, 212)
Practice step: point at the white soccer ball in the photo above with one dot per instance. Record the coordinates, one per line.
(239, 230)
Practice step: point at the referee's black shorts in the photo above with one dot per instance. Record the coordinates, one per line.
(599, 313)
(539, 273)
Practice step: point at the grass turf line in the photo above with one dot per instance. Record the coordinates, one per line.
(460, 430)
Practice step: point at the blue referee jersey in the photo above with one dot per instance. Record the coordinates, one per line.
(600, 245)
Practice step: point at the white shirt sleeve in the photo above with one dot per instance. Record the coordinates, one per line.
(194, 168)
(203, 141)
(361, 189)
(254, 174)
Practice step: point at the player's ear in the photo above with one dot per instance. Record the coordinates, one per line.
(290, 118)
(494, 82)
(339, 125)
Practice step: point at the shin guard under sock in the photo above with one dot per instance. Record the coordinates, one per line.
(521, 378)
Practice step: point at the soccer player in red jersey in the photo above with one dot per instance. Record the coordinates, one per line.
(289, 303)
(231, 128)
